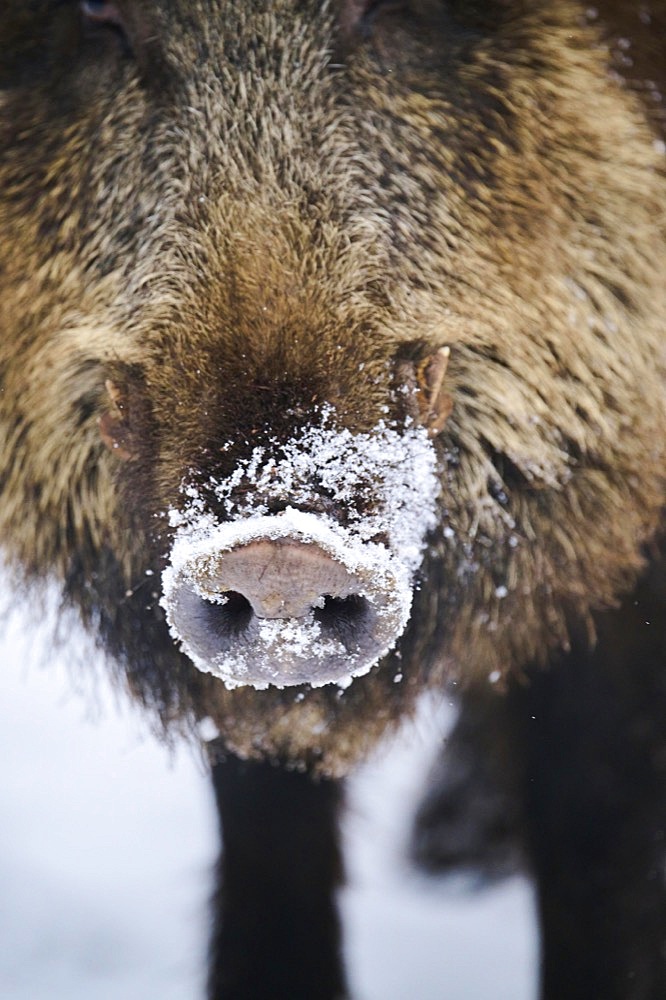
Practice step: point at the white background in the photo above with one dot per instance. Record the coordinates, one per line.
(107, 843)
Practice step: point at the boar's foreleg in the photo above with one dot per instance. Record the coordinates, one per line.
(276, 933)
(471, 817)
(567, 774)
(594, 730)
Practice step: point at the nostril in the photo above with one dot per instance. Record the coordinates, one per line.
(344, 618)
(288, 604)
(227, 617)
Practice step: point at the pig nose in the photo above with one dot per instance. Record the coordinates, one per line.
(282, 579)
(280, 611)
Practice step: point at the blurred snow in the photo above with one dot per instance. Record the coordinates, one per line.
(107, 842)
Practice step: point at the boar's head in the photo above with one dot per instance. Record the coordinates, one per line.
(239, 243)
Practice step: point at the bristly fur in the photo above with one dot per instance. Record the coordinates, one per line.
(257, 214)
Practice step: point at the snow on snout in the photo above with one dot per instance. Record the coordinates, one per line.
(356, 605)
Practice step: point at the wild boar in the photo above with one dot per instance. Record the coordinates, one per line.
(332, 370)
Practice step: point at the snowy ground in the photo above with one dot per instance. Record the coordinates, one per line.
(107, 843)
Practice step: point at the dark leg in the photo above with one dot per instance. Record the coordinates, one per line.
(471, 817)
(594, 735)
(276, 933)
(571, 770)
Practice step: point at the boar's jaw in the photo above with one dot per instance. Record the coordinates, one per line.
(284, 600)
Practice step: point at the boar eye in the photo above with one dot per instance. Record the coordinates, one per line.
(103, 14)
(370, 10)
(359, 16)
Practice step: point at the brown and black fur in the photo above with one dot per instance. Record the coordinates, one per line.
(237, 212)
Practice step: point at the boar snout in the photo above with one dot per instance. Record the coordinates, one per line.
(282, 600)
(284, 579)
(281, 580)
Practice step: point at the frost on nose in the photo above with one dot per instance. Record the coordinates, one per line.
(283, 600)
(295, 597)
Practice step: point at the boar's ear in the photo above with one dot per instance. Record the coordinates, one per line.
(422, 381)
(114, 425)
(434, 403)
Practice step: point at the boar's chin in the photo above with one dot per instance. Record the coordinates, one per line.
(284, 600)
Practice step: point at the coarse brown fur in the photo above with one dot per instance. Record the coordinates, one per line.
(263, 211)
